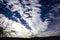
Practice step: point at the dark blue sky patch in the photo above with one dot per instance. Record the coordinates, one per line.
(49, 2)
(23, 22)
(5, 1)
(48, 5)
(44, 11)
(7, 14)
(17, 14)
(28, 4)
(28, 27)
(10, 6)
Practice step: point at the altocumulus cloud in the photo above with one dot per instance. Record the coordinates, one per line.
(29, 18)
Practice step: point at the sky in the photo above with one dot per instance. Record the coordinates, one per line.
(30, 17)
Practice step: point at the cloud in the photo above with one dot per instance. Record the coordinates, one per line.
(18, 29)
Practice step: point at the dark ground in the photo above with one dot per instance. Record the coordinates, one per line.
(36, 38)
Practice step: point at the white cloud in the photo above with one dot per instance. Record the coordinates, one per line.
(35, 22)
